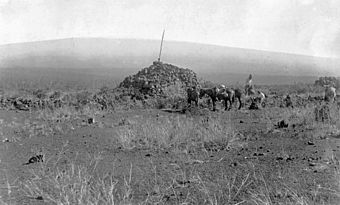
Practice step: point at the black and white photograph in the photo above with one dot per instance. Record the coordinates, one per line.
(212, 102)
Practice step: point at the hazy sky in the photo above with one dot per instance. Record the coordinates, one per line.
(309, 27)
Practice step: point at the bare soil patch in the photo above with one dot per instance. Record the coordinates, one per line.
(148, 156)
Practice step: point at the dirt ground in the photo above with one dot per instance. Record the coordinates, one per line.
(258, 163)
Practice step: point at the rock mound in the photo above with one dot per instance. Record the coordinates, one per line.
(158, 77)
(328, 80)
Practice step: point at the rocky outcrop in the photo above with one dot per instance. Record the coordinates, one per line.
(328, 80)
(155, 79)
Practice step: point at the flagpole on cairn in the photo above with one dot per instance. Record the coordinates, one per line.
(160, 50)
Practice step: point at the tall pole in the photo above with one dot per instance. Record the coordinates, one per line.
(160, 50)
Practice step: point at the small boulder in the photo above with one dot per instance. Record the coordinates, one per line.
(282, 124)
(90, 120)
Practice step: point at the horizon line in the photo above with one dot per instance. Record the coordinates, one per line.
(176, 41)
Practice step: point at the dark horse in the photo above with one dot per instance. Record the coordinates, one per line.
(232, 94)
(212, 93)
(239, 95)
(193, 95)
(226, 95)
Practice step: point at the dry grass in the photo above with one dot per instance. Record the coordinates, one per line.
(314, 116)
(174, 133)
(250, 183)
(75, 184)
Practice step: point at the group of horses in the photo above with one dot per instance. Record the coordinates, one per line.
(224, 94)
(229, 95)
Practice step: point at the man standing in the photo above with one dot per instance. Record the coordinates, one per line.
(249, 80)
(249, 85)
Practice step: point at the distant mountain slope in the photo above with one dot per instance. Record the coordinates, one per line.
(112, 58)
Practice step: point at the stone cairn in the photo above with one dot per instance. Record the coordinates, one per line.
(155, 79)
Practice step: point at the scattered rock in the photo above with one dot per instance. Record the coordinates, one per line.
(289, 159)
(39, 198)
(90, 120)
(35, 159)
(258, 154)
(279, 158)
(310, 143)
(282, 124)
(5, 140)
(183, 182)
(312, 164)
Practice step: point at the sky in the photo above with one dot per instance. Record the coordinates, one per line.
(309, 27)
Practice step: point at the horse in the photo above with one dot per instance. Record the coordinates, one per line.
(212, 93)
(192, 94)
(227, 95)
(239, 95)
(330, 94)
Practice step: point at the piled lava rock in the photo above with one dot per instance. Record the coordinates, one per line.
(328, 80)
(155, 79)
